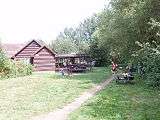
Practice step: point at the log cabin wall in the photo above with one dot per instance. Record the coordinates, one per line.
(36, 53)
(44, 60)
(28, 50)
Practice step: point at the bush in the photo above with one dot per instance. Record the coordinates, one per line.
(10, 68)
(152, 70)
(4, 68)
(150, 59)
(19, 68)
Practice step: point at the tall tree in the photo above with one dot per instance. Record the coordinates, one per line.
(126, 22)
(79, 37)
(64, 46)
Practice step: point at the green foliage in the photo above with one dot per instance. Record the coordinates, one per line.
(4, 68)
(86, 28)
(10, 68)
(99, 54)
(150, 59)
(21, 68)
(121, 102)
(76, 40)
(63, 46)
(114, 32)
(124, 23)
(121, 26)
(65, 42)
(23, 98)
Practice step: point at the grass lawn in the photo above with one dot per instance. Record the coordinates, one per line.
(121, 102)
(24, 97)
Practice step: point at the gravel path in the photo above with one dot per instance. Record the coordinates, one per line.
(62, 114)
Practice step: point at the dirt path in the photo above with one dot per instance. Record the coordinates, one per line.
(62, 114)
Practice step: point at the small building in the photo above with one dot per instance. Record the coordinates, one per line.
(76, 62)
(44, 59)
(37, 54)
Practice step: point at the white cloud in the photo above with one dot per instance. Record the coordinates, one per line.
(23, 20)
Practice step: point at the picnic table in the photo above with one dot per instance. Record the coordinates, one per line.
(123, 78)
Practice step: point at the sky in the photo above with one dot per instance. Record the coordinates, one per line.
(24, 20)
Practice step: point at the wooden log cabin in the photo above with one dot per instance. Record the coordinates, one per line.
(44, 59)
(37, 54)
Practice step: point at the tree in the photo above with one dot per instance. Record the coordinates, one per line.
(78, 39)
(64, 46)
(126, 22)
(113, 32)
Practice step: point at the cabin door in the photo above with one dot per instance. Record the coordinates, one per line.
(31, 60)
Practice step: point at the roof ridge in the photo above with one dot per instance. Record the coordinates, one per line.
(53, 52)
(29, 42)
(37, 50)
(40, 43)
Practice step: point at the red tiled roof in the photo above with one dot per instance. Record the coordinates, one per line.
(11, 49)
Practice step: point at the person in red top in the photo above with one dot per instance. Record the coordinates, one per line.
(114, 67)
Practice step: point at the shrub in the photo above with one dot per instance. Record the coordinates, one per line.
(23, 68)
(152, 69)
(10, 68)
(150, 59)
(4, 68)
